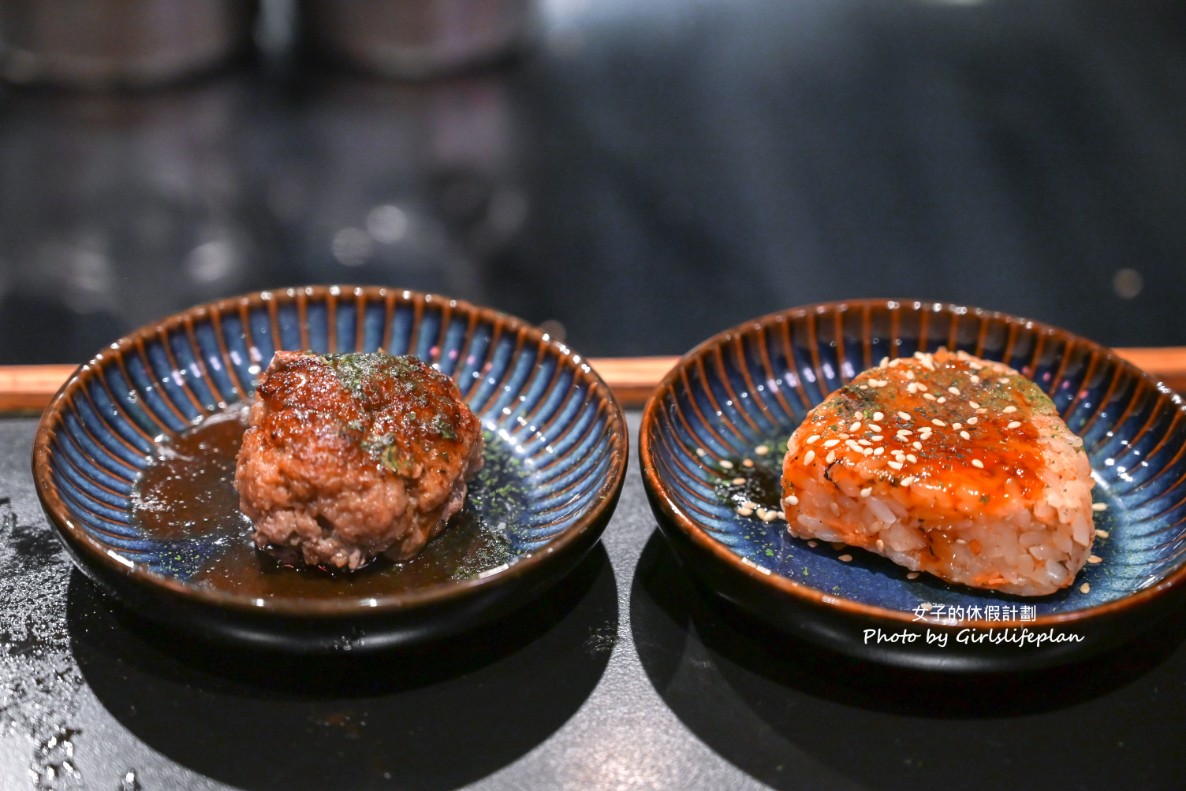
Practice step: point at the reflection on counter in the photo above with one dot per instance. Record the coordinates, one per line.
(643, 176)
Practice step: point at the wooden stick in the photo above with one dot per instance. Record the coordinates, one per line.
(28, 388)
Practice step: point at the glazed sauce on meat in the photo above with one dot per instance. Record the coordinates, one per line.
(937, 425)
(187, 495)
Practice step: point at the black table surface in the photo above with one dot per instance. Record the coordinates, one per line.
(644, 175)
(626, 675)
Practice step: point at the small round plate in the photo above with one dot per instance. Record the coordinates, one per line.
(713, 432)
(556, 441)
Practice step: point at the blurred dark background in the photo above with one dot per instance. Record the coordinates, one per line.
(641, 174)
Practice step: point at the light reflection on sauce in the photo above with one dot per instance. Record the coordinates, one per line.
(187, 493)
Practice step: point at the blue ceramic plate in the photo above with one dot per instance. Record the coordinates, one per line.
(555, 462)
(724, 413)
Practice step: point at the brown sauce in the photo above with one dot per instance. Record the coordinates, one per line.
(187, 495)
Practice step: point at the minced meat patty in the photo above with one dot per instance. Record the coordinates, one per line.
(349, 456)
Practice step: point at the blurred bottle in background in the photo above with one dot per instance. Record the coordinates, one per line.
(416, 39)
(109, 43)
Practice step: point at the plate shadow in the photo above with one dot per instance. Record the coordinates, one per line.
(794, 715)
(430, 717)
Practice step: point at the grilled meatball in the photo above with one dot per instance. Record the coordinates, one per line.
(349, 456)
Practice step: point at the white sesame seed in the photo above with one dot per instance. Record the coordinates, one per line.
(846, 558)
(965, 435)
(701, 452)
(867, 451)
(1095, 559)
(1003, 380)
(912, 388)
(904, 416)
(912, 575)
(831, 457)
(726, 464)
(877, 437)
(953, 390)
(973, 404)
(1014, 424)
(790, 500)
(855, 427)
(809, 457)
(920, 386)
(1085, 587)
(814, 438)
(743, 511)
(897, 465)
(910, 457)
(928, 396)
(768, 516)
(916, 445)
(978, 464)
(1099, 506)
(909, 374)
(941, 400)
(938, 422)
(975, 379)
(973, 420)
(762, 450)
(851, 443)
(875, 428)
(864, 443)
(738, 481)
(909, 479)
(880, 544)
(905, 432)
(884, 362)
(1101, 533)
(747, 462)
(982, 411)
(1009, 409)
(813, 543)
(878, 417)
(831, 443)
(868, 490)
(878, 451)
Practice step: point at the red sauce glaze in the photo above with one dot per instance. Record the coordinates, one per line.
(940, 424)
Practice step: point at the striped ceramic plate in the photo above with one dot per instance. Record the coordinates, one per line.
(556, 459)
(715, 429)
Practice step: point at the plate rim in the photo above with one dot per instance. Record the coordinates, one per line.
(808, 595)
(79, 542)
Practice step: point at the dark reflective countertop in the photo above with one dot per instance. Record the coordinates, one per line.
(644, 175)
